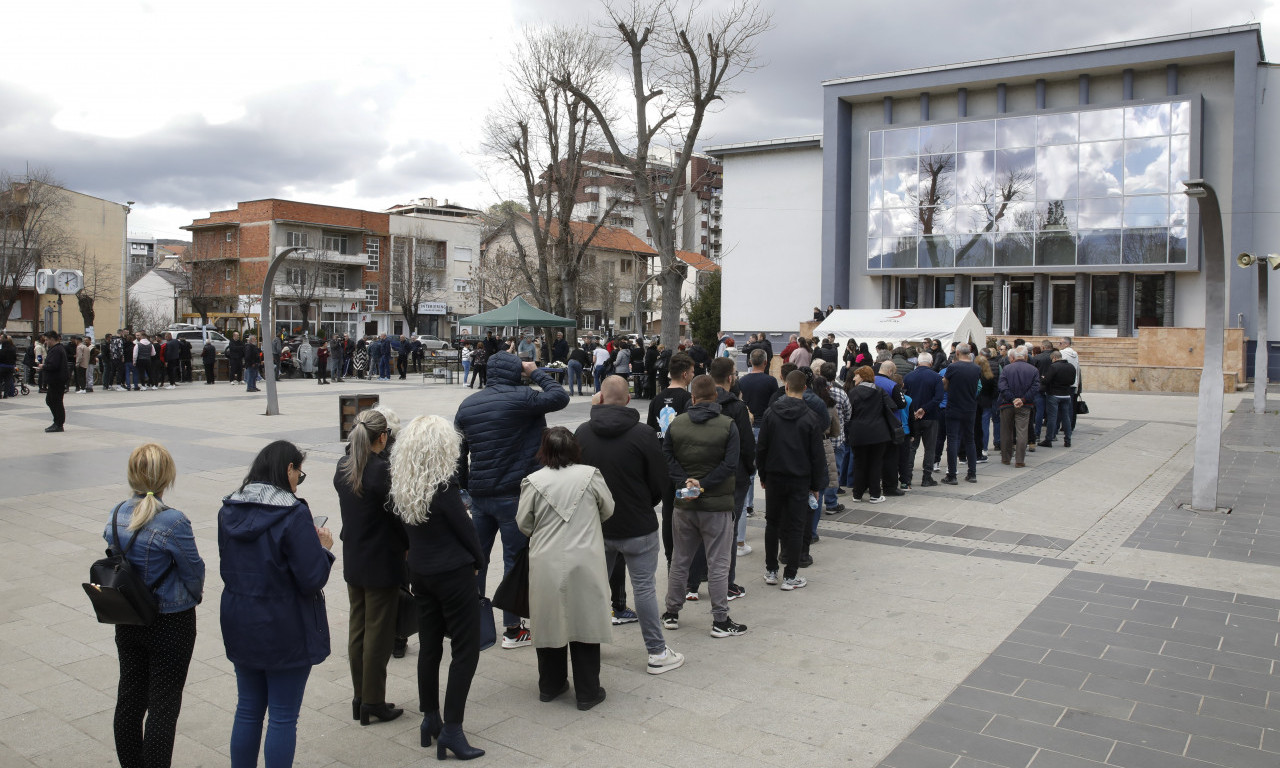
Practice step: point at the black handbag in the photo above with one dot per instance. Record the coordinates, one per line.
(513, 593)
(896, 433)
(118, 594)
(1082, 408)
(488, 625)
(406, 614)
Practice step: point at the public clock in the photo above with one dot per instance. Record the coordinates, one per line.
(67, 281)
(44, 281)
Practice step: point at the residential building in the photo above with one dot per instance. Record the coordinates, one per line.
(433, 250)
(160, 296)
(142, 255)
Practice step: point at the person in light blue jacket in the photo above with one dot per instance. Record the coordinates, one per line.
(159, 544)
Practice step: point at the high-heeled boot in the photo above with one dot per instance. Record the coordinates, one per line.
(355, 708)
(383, 712)
(454, 740)
(431, 726)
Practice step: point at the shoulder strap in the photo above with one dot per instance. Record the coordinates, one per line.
(115, 535)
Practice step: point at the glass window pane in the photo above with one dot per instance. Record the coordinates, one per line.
(937, 179)
(1016, 171)
(1055, 249)
(1064, 304)
(875, 144)
(937, 251)
(902, 142)
(875, 252)
(1057, 172)
(974, 218)
(1177, 245)
(908, 293)
(944, 292)
(898, 186)
(979, 134)
(1146, 211)
(875, 184)
(937, 221)
(983, 291)
(938, 139)
(975, 251)
(1148, 301)
(1057, 215)
(1014, 250)
(901, 222)
(1104, 301)
(1016, 132)
(1101, 213)
(1179, 162)
(1099, 246)
(1014, 217)
(1180, 117)
(1058, 129)
(1101, 168)
(974, 176)
(1178, 210)
(877, 224)
(1146, 120)
(1101, 124)
(900, 253)
(1146, 246)
(1146, 166)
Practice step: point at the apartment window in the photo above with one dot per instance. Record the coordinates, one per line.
(228, 275)
(293, 239)
(370, 296)
(624, 295)
(625, 266)
(461, 285)
(372, 249)
(461, 254)
(335, 278)
(228, 235)
(334, 242)
(295, 276)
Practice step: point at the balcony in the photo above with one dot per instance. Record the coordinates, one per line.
(330, 257)
(324, 292)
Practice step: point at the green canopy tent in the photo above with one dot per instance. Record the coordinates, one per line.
(518, 314)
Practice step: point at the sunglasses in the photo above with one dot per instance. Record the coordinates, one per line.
(302, 476)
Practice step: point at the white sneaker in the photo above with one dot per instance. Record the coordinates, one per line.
(665, 661)
(771, 578)
(79, 391)
(744, 550)
(169, 386)
(790, 584)
(875, 499)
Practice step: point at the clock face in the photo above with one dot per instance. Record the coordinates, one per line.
(44, 279)
(66, 281)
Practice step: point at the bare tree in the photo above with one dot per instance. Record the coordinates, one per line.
(33, 207)
(100, 281)
(418, 273)
(681, 62)
(304, 274)
(497, 277)
(210, 286)
(142, 316)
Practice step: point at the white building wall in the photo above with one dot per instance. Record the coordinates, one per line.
(772, 263)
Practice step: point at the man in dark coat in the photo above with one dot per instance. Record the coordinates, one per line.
(235, 358)
(501, 429)
(560, 349)
(629, 456)
(55, 379)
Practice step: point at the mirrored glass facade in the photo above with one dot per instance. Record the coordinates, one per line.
(1094, 188)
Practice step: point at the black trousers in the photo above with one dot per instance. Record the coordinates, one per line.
(668, 508)
(371, 635)
(402, 364)
(868, 469)
(618, 582)
(889, 468)
(235, 370)
(447, 603)
(173, 369)
(209, 370)
(786, 516)
(53, 399)
(553, 669)
(80, 377)
(153, 671)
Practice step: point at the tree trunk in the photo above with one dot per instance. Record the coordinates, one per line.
(671, 282)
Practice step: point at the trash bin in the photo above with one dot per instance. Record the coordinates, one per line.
(349, 407)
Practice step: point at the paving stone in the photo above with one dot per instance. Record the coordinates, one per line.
(1226, 753)
(1127, 731)
(995, 751)
(1057, 739)
(1188, 722)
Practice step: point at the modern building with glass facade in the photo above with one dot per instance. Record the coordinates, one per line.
(1044, 191)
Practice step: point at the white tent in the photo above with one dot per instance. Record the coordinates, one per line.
(898, 325)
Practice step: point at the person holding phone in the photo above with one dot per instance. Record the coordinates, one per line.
(274, 564)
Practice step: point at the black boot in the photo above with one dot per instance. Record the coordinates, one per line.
(431, 726)
(383, 712)
(355, 708)
(452, 739)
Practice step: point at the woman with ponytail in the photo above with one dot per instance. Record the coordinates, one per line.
(154, 659)
(373, 550)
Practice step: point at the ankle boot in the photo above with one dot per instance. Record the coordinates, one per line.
(355, 708)
(454, 740)
(383, 712)
(431, 726)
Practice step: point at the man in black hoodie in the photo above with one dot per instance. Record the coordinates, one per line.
(793, 469)
(629, 456)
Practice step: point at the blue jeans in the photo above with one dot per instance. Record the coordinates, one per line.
(251, 377)
(466, 371)
(273, 692)
(751, 493)
(384, 367)
(989, 415)
(845, 462)
(1060, 411)
(597, 373)
(493, 515)
(575, 376)
(130, 376)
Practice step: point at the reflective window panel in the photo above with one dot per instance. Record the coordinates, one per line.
(1104, 301)
(1148, 300)
(1057, 189)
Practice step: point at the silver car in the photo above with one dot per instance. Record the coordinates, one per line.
(196, 339)
(430, 343)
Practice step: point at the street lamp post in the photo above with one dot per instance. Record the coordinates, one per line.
(268, 326)
(1208, 452)
(1260, 376)
(124, 262)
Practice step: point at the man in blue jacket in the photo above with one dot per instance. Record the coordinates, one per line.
(1019, 385)
(501, 429)
(924, 387)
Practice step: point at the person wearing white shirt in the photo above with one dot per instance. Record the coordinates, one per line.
(598, 359)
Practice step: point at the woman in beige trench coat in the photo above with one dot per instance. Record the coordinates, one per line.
(561, 508)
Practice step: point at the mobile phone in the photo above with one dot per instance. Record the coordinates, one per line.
(320, 520)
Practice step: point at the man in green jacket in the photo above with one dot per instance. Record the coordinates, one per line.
(702, 447)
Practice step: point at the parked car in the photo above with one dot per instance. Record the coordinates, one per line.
(430, 342)
(196, 339)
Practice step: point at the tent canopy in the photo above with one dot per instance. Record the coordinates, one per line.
(898, 325)
(519, 313)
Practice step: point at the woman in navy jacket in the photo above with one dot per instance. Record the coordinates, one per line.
(274, 565)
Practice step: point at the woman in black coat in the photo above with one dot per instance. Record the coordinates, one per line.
(209, 357)
(373, 551)
(444, 558)
(867, 433)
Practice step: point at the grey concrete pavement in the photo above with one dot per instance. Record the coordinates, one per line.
(1022, 621)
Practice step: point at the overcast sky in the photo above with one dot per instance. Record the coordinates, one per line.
(188, 107)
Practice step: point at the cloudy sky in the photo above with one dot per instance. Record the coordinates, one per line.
(188, 107)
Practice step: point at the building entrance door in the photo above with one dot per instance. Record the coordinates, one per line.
(1018, 306)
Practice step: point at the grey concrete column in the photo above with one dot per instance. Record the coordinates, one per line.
(924, 107)
(1124, 323)
(888, 110)
(924, 291)
(962, 102)
(1084, 89)
(1127, 83)
(886, 292)
(1039, 305)
(1082, 304)
(1002, 100)
(997, 304)
(1041, 87)
(1171, 80)
(1170, 286)
(964, 291)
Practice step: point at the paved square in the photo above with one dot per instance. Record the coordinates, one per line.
(997, 624)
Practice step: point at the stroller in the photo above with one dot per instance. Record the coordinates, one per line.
(12, 381)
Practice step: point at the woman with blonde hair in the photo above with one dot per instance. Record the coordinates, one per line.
(373, 549)
(444, 558)
(159, 544)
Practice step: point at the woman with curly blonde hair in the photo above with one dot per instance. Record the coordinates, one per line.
(444, 557)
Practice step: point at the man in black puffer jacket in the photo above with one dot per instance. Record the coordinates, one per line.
(501, 429)
(629, 456)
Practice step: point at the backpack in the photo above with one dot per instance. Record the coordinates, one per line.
(118, 593)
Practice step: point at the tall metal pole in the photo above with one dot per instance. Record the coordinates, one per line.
(124, 262)
(1204, 475)
(268, 327)
(1260, 354)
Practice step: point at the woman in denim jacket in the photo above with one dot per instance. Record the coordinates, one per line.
(154, 659)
